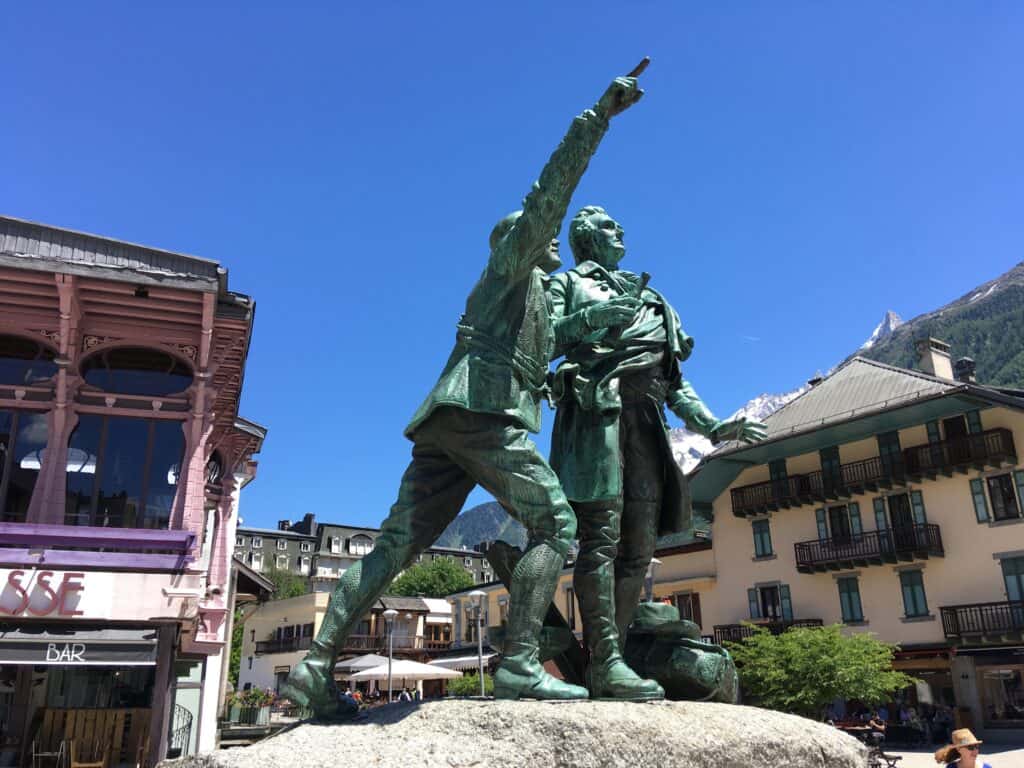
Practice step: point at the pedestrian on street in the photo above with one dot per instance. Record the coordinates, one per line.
(963, 752)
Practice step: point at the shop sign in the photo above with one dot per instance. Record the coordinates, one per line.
(128, 647)
(38, 593)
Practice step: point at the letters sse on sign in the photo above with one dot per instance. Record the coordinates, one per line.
(41, 593)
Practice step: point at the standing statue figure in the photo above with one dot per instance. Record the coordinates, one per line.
(474, 427)
(623, 344)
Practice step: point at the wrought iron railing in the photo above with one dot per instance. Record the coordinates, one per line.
(283, 645)
(992, 445)
(181, 732)
(887, 544)
(983, 619)
(734, 633)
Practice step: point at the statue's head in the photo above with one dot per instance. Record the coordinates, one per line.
(503, 227)
(596, 236)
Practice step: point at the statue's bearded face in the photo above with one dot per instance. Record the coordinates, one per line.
(606, 246)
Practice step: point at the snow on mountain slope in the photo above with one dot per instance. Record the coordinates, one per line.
(884, 329)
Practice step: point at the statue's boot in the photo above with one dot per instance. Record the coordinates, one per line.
(608, 675)
(311, 682)
(521, 675)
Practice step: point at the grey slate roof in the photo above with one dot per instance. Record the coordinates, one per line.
(858, 387)
(404, 603)
(28, 245)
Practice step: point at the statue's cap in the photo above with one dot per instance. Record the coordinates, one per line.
(503, 227)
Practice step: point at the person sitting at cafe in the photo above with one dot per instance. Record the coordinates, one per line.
(963, 752)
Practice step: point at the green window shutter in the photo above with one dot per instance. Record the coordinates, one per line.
(855, 526)
(755, 611)
(934, 436)
(822, 523)
(849, 599)
(787, 603)
(1013, 575)
(980, 502)
(917, 502)
(881, 521)
(974, 422)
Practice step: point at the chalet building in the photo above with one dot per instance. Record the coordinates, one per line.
(123, 456)
(322, 552)
(887, 500)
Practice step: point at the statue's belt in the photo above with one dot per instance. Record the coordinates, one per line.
(643, 386)
(532, 371)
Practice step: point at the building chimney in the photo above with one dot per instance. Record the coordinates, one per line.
(933, 357)
(815, 380)
(283, 525)
(964, 370)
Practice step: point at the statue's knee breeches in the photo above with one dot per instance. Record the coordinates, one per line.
(598, 524)
(557, 530)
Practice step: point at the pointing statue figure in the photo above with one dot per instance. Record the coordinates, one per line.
(623, 344)
(474, 428)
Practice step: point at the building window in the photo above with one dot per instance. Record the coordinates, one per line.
(22, 442)
(360, 545)
(570, 608)
(24, 362)
(688, 604)
(136, 371)
(1003, 497)
(239, 541)
(771, 602)
(890, 454)
(256, 561)
(282, 544)
(914, 601)
(486, 576)
(123, 472)
(1001, 690)
(305, 546)
(762, 538)
(257, 542)
(840, 523)
(303, 565)
(779, 478)
(281, 562)
(467, 561)
(831, 470)
(335, 545)
(849, 599)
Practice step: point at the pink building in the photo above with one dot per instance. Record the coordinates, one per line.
(121, 460)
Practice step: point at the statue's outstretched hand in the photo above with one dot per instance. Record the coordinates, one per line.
(623, 93)
(740, 428)
(612, 313)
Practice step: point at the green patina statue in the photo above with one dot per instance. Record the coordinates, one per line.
(474, 428)
(623, 344)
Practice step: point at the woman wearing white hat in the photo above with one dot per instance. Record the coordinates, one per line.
(963, 752)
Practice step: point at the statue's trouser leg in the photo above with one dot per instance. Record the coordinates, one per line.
(505, 462)
(432, 492)
(608, 676)
(643, 486)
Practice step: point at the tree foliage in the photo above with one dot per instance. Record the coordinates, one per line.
(469, 685)
(235, 659)
(437, 578)
(287, 584)
(804, 669)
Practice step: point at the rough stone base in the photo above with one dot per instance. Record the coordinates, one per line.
(592, 734)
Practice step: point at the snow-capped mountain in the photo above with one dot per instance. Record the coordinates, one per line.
(689, 448)
(884, 330)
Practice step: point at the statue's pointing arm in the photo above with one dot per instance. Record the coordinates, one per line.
(544, 208)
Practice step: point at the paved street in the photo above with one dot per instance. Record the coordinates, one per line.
(996, 755)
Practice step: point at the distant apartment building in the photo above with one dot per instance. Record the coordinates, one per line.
(322, 552)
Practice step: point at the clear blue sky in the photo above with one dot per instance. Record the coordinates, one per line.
(794, 170)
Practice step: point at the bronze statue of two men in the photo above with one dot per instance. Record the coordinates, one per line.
(611, 471)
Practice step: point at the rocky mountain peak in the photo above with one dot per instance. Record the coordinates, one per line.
(890, 322)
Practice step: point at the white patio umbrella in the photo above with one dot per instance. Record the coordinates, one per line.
(361, 662)
(403, 670)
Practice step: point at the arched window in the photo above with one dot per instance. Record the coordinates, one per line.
(22, 444)
(25, 362)
(360, 545)
(136, 371)
(123, 472)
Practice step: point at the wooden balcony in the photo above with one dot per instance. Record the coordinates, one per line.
(991, 448)
(984, 622)
(734, 633)
(906, 543)
(283, 645)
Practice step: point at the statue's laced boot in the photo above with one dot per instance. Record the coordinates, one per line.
(521, 676)
(613, 679)
(311, 685)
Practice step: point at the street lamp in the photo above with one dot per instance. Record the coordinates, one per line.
(655, 562)
(389, 617)
(477, 596)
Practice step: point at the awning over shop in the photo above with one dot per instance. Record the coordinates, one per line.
(462, 662)
(78, 647)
